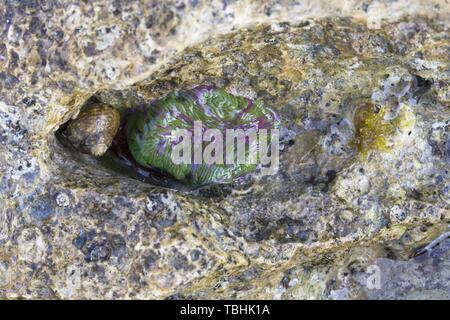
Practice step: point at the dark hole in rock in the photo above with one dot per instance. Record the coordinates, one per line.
(120, 158)
(422, 85)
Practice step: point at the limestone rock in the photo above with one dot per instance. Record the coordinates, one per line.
(337, 209)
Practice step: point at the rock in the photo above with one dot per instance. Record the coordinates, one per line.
(333, 215)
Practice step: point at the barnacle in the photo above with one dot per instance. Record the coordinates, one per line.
(94, 129)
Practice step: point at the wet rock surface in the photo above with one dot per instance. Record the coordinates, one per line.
(363, 101)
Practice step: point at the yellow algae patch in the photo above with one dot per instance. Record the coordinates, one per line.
(377, 129)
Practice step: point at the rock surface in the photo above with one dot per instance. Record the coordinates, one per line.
(357, 194)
